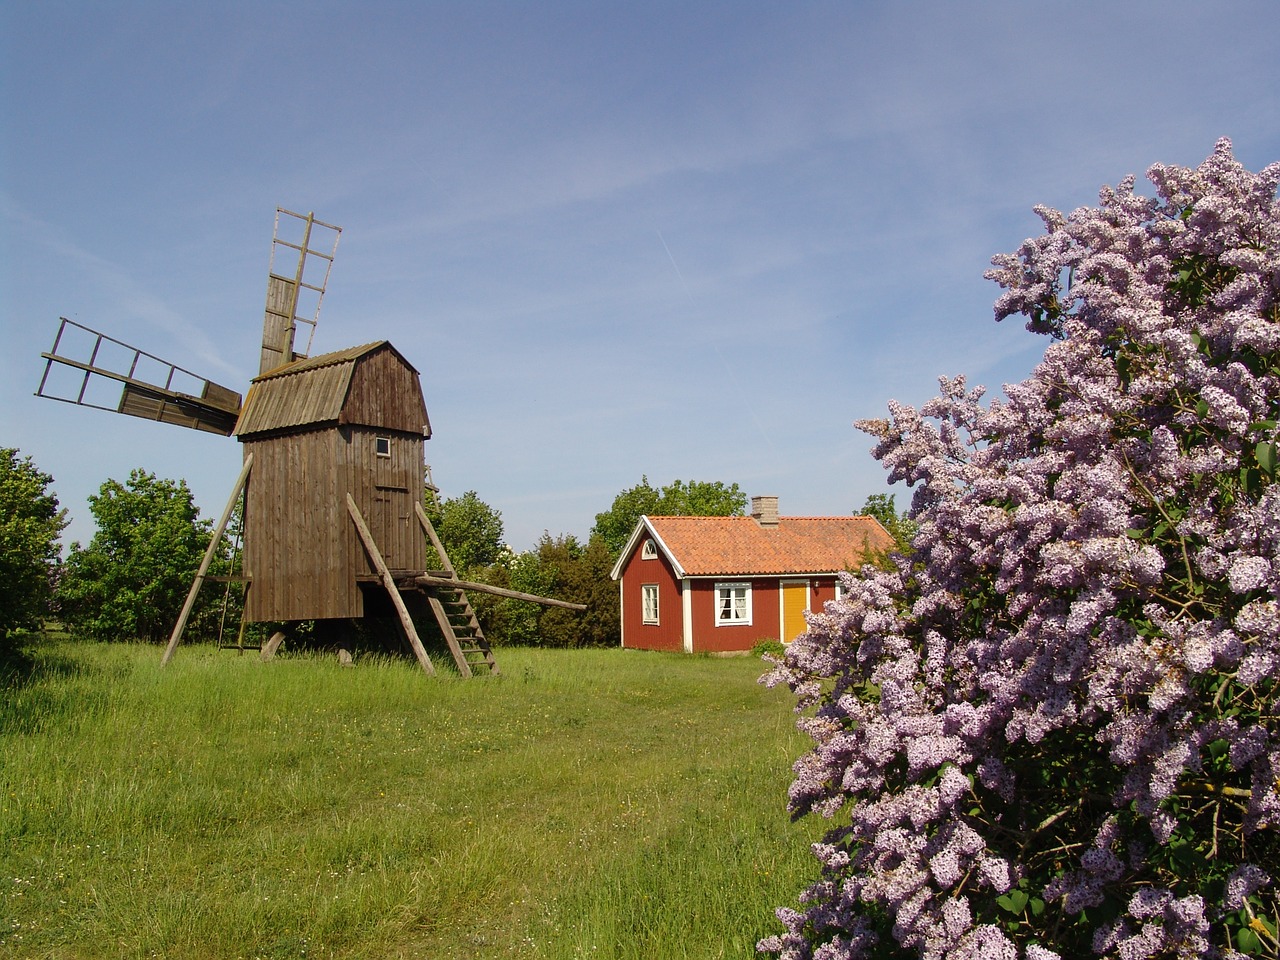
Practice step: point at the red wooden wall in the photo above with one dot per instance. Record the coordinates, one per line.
(668, 633)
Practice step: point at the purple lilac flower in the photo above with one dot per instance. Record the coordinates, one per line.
(1094, 591)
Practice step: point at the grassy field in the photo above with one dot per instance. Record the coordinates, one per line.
(601, 804)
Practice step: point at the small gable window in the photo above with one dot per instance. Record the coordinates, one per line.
(649, 551)
(382, 446)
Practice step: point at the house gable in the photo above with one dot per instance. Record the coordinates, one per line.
(652, 594)
(643, 532)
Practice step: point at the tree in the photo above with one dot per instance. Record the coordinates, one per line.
(579, 574)
(527, 574)
(559, 568)
(699, 498)
(677, 499)
(30, 525)
(133, 578)
(223, 609)
(615, 525)
(1053, 733)
(469, 528)
(900, 525)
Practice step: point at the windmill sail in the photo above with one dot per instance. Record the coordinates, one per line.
(87, 368)
(294, 298)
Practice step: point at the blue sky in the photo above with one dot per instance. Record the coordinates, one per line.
(688, 241)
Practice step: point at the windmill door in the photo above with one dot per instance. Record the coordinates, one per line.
(392, 520)
(389, 524)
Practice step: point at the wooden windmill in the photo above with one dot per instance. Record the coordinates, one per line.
(333, 475)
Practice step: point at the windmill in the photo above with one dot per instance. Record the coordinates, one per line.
(333, 471)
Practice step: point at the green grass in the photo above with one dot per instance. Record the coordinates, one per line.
(585, 804)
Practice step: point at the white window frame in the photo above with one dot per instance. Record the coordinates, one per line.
(649, 603)
(649, 551)
(382, 446)
(739, 608)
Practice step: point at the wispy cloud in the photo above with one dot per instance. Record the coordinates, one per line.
(682, 240)
(118, 286)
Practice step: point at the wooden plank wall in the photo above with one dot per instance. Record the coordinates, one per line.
(301, 550)
(299, 547)
(385, 489)
(386, 392)
(668, 632)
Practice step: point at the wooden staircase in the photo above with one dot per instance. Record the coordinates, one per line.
(454, 614)
(461, 629)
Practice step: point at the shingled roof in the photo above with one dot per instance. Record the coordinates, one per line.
(318, 390)
(742, 546)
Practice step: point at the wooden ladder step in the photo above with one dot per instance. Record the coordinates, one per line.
(461, 631)
(454, 613)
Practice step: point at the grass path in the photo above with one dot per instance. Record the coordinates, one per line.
(585, 804)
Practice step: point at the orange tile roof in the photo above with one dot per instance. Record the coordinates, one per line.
(730, 546)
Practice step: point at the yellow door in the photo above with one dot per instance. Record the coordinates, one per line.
(795, 601)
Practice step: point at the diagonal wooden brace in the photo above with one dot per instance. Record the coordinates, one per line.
(214, 541)
(389, 582)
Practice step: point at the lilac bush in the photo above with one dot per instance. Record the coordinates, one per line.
(1050, 731)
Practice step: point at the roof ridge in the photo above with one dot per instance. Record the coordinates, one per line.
(737, 516)
(319, 360)
(829, 516)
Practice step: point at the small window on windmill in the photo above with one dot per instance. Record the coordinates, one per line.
(382, 446)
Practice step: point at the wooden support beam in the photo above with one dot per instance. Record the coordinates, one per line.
(430, 531)
(389, 582)
(271, 646)
(216, 539)
(429, 581)
(467, 623)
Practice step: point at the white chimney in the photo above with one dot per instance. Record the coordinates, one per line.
(764, 510)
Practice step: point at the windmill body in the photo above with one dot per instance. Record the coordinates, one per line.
(333, 474)
(351, 422)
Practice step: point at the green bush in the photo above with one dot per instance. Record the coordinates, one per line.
(30, 525)
(132, 579)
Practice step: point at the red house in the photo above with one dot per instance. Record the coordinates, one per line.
(723, 584)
